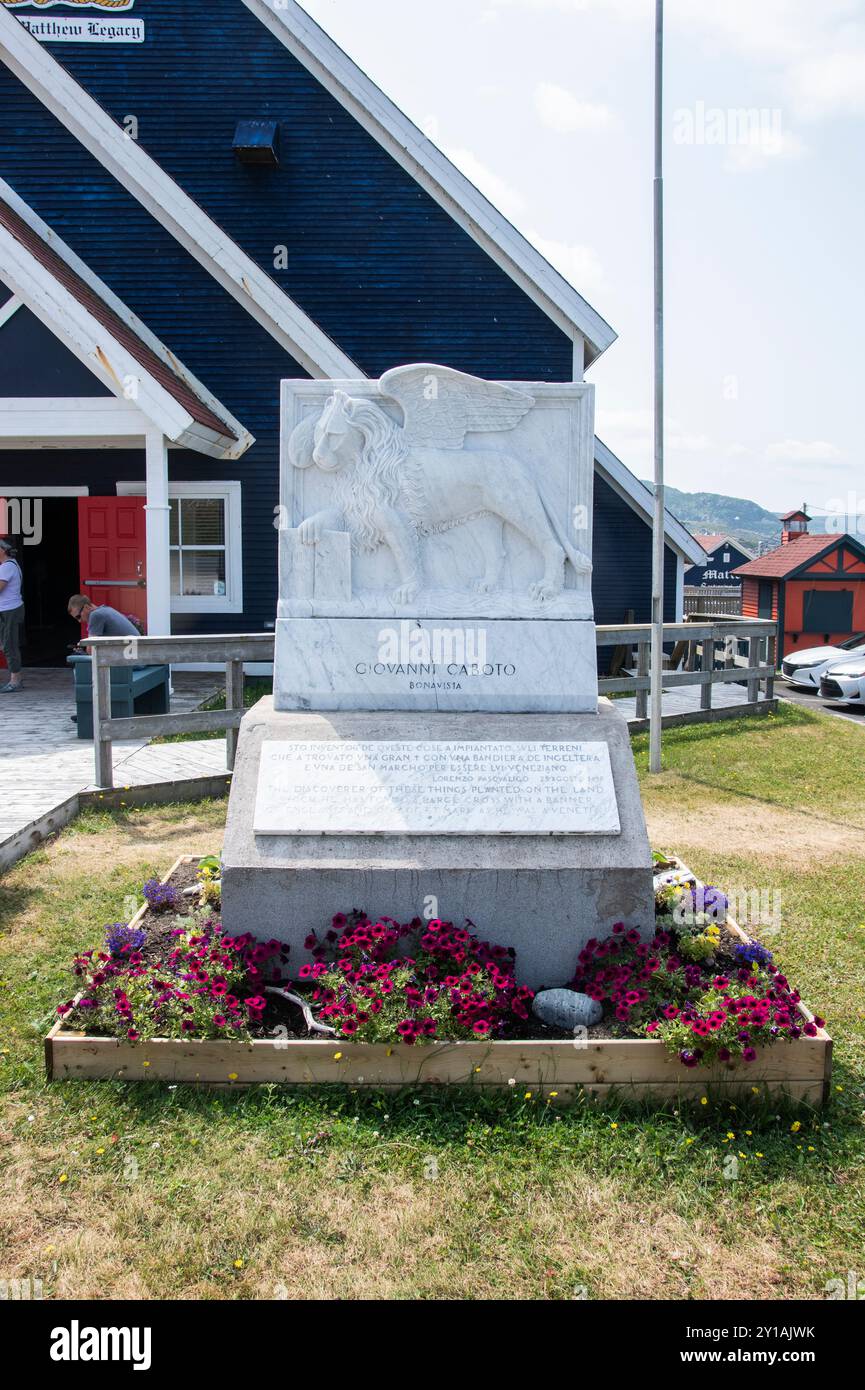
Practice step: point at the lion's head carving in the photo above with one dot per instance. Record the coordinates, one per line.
(358, 444)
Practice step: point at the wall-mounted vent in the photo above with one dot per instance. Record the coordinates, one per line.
(257, 142)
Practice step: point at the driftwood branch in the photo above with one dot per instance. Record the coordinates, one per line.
(311, 1022)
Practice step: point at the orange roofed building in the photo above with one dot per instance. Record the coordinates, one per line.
(812, 586)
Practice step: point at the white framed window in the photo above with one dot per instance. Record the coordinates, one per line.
(205, 545)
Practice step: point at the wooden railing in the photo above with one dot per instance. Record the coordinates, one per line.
(710, 601)
(697, 646)
(228, 651)
(705, 652)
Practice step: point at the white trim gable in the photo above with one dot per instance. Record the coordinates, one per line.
(639, 498)
(111, 362)
(123, 312)
(430, 168)
(157, 192)
(12, 305)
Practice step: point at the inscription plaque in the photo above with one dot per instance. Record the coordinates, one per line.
(435, 787)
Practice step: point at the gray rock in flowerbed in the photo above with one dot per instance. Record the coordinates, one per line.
(566, 1008)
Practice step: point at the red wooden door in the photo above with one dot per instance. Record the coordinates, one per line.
(112, 548)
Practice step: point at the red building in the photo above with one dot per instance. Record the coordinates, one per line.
(813, 586)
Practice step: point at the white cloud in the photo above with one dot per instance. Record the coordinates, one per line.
(769, 148)
(561, 111)
(832, 84)
(500, 192)
(580, 265)
(816, 50)
(803, 451)
(636, 431)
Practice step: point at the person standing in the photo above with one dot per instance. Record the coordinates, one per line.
(11, 616)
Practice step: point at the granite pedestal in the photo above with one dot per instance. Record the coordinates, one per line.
(544, 893)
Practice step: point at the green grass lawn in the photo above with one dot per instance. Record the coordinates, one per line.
(254, 688)
(120, 1190)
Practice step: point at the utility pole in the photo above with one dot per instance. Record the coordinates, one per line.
(657, 662)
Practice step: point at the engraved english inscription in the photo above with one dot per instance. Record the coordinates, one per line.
(432, 787)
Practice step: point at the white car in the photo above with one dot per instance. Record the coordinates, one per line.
(844, 683)
(807, 668)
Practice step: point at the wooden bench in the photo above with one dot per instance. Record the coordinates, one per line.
(134, 690)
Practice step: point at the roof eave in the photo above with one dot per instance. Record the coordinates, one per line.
(109, 360)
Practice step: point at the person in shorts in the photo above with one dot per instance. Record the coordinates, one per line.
(11, 616)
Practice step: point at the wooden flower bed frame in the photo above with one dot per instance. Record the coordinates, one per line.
(627, 1067)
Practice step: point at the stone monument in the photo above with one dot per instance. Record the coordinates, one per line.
(435, 744)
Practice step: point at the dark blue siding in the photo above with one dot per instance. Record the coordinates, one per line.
(717, 572)
(371, 256)
(33, 362)
(622, 555)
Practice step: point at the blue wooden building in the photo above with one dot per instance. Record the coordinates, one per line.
(191, 211)
(721, 557)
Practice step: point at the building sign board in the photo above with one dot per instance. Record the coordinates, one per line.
(91, 21)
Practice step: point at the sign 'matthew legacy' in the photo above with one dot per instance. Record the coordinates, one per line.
(93, 21)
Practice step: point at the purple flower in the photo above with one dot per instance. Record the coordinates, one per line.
(161, 897)
(123, 940)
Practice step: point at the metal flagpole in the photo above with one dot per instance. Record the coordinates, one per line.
(657, 662)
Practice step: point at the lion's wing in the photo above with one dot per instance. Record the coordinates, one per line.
(441, 406)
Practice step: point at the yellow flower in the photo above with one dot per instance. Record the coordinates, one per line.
(145, 1064)
(689, 1141)
(553, 1093)
(614, 1125)
(100, 1151)
(749, 1132)
(730, 1134)
(527, 1096)
(238, 1264)
(756, 1090)
(232, 1076)
(64, 1177)
(704, 1100)
(811, 1148)
(839, 1088)
(337, 1056)
(759, 1155)
(795, 1126)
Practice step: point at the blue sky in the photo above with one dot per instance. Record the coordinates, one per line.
(547, 106)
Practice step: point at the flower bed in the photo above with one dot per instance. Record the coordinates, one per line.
(358, 969)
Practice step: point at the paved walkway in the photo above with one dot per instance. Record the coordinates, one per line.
(43, 762)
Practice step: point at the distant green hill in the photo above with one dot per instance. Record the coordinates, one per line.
(714, 514)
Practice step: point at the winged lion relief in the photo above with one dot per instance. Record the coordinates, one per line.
(393, 484)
